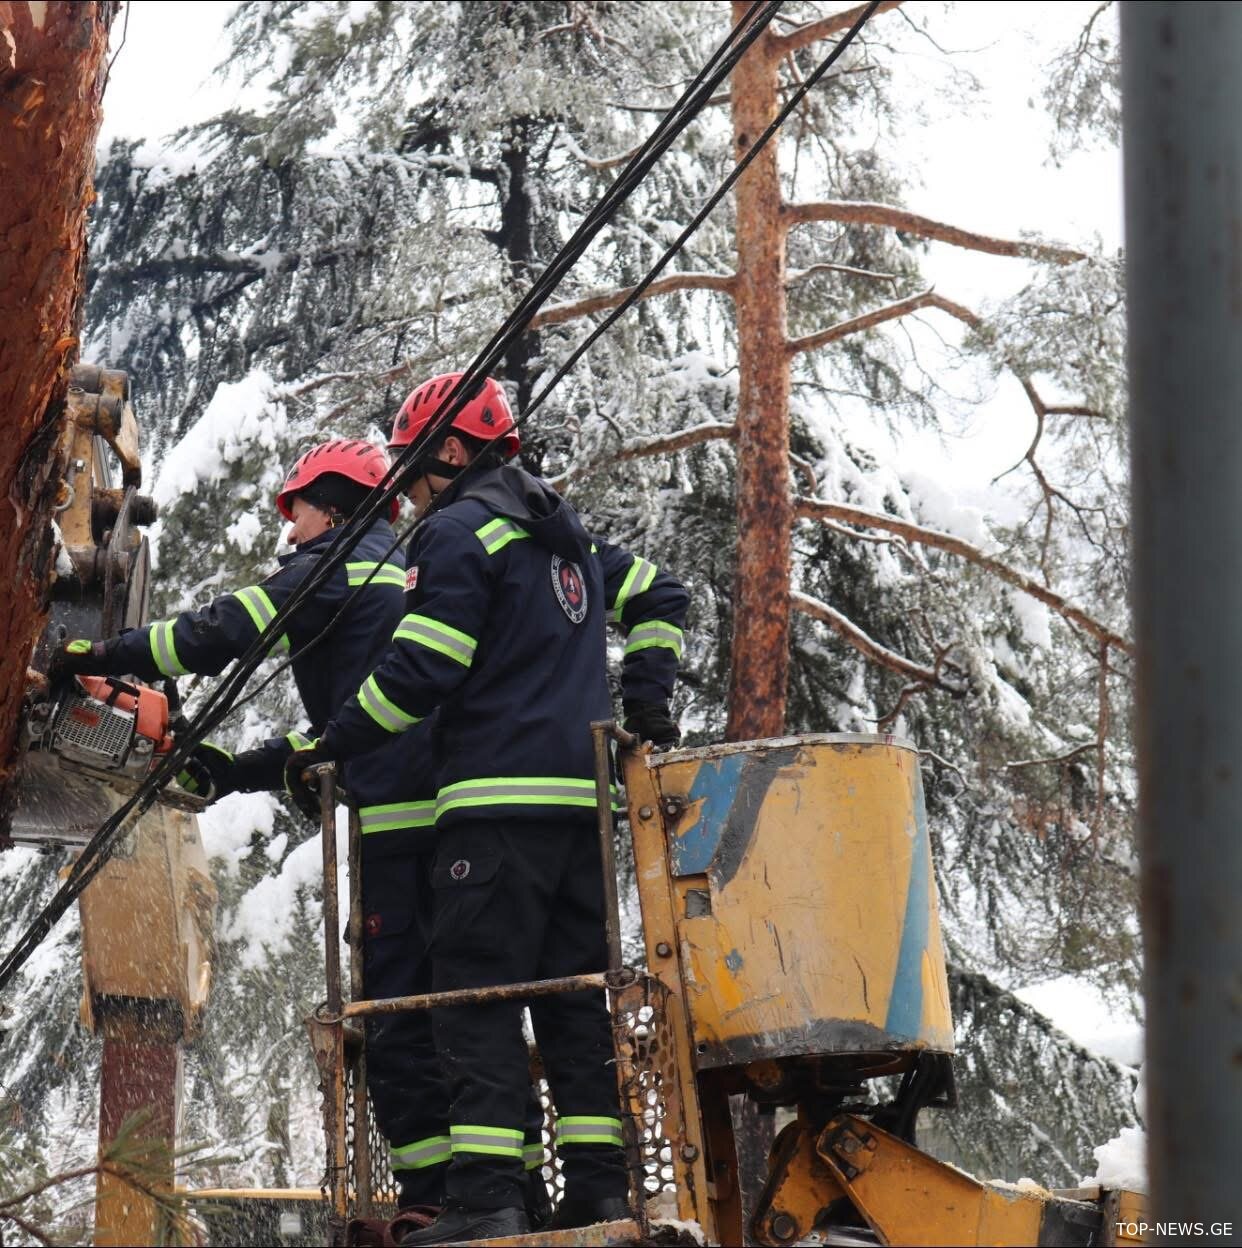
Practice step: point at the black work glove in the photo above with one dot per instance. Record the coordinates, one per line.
(208, 772)
(305, 793)
(84, 658)
(650, 721)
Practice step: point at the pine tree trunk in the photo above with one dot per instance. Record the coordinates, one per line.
(52, 73)
(760, 656)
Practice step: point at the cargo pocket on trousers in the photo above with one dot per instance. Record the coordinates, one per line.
(465, 919)
(388, 963)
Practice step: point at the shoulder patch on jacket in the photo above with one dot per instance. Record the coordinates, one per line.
(570, 588)
(411, 578)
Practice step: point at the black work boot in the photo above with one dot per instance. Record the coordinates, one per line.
(571, 1213)
(538, 1202)
(458, 1225)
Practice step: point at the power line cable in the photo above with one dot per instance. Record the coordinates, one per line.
(97, 850)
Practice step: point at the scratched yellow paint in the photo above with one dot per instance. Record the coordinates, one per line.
(823, 933)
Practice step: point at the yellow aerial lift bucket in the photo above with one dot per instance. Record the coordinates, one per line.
(797, 886)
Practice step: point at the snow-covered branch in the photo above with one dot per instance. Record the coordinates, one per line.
(558, 313)
(635, 448)
(819, 509)
(821, 28)
(861, 212)
(927, 677)
(800, 275)
(877, 316)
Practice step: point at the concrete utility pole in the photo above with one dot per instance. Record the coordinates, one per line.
(1182, 91)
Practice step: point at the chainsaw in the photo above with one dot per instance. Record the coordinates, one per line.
(89, 735)
(87, 742)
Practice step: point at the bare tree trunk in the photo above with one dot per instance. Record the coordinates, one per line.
(760, 657)
(52, 72)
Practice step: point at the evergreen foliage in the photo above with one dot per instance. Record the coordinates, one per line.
(412, 167)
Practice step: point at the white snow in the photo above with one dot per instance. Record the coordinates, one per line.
(244, 419)
(264, 919)
(1081, 1011)
(1033, 617)
(1122, 1162)
(228, 826)
(64, 565)
(244, 530)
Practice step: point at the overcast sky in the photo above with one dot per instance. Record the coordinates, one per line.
(984, 167)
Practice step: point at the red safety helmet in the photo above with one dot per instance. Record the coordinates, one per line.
(486, 414)
(361, 462)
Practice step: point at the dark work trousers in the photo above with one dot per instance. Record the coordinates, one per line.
(513, 902)
(408, 1091)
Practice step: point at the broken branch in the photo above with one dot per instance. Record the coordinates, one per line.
(860, 212)
(558, 313)
(821, 28)
(635, 448)
(869, 647)
(889, 312)
(819, 509)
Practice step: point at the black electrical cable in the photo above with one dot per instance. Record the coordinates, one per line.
(95, 853)
(794, 100)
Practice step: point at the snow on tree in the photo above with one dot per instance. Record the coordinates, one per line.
(288, 273)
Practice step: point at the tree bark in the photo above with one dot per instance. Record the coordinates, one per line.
(52, 73)
(760, 657)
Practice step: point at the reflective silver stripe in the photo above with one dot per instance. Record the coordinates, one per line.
(496, 1141)
(163, 649)
(262, 611)
(637, 581)
(589, 1131)
(654, 633)
(429, 1152)
(387, 574)
(517, 791)
(498, 533)
(385, 713)
(532, 1156)
(436, 636)
(396, 815)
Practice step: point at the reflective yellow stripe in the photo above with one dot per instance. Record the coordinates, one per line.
(654, 633)
(261, 611)
(388, 574)
(585, 1130)
(491, 1141)
(439, 637)
(517, 791)
(497, 534)
(532, 1155)
(637, 581)
(432, 1151)
(396, 815)
(385, 713)
(163, 650)
(298, 741)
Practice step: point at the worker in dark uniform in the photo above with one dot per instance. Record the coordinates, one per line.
(503, 639)
(393, 786)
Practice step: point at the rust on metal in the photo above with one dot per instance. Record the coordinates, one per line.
(326, 775)
(478, 996)
(361, 1134)
(601, 730)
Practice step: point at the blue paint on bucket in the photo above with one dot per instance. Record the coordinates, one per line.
(715, 784)
(905, 1005)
